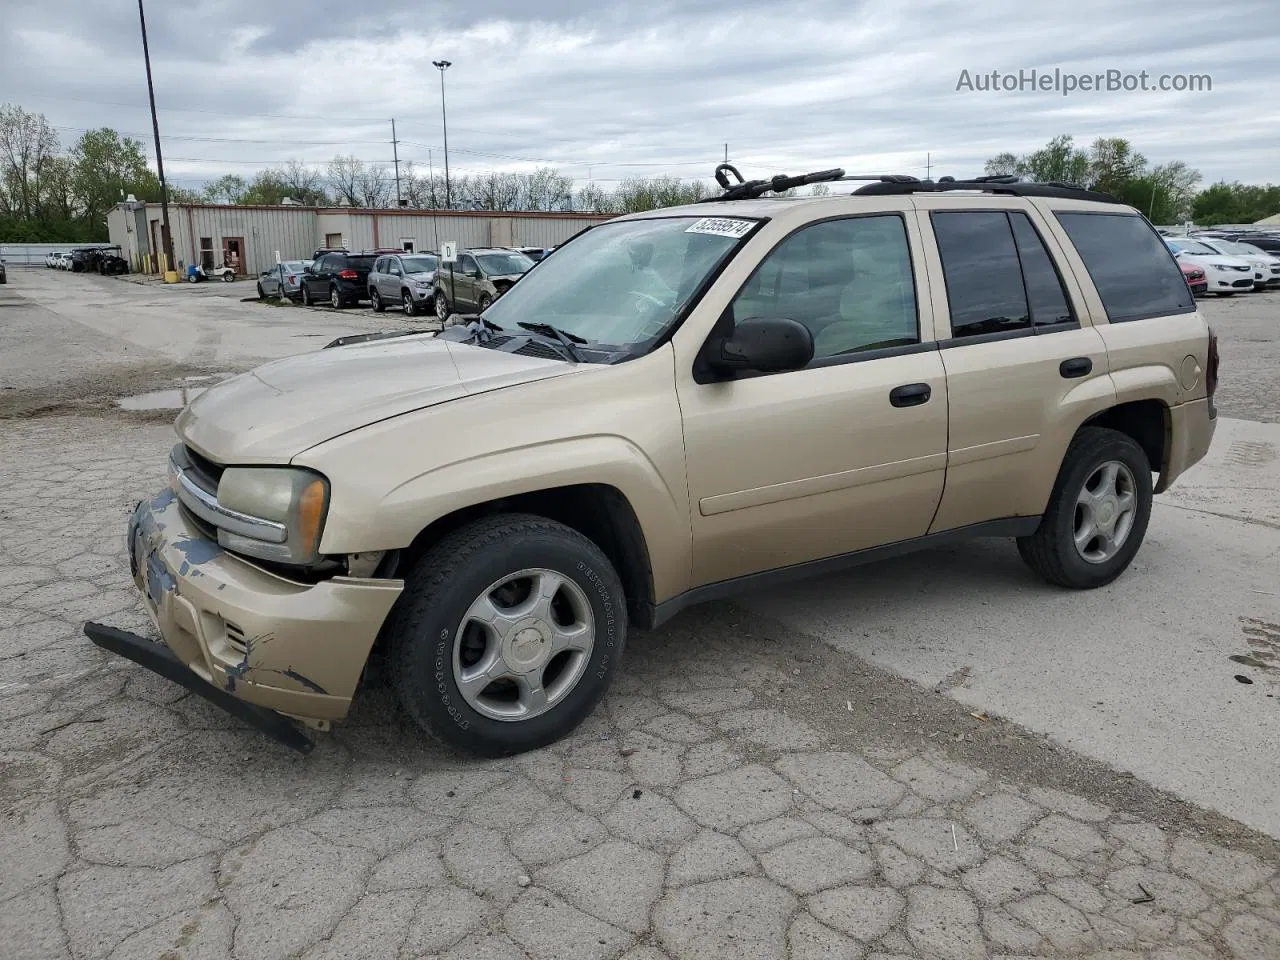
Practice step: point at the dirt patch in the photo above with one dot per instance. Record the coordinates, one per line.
(98, 394)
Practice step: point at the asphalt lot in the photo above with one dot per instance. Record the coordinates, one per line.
(800, 776)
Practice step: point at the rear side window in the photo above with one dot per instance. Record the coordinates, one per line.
(1045, 293)
(983, 278)
(1132, 269)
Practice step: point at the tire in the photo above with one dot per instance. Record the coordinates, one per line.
(430, 628)
(410, 308)
(306, 296)
(335, 299)
(192, 278)
(485, 303)
(1052, 550)
(376, 301)
(442, 306)
(262, 294)
(228, 278)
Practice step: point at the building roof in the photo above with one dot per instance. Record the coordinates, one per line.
(381, 211)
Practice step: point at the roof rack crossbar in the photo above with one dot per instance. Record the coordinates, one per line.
(1007, 185)
(752, 189)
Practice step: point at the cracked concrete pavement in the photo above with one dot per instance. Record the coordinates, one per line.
(745, 791)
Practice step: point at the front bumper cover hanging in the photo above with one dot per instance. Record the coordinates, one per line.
(159, 659)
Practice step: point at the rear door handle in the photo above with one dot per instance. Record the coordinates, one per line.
(1076, 367)
(910, 394)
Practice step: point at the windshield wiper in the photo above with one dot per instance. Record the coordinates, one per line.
(566, 339)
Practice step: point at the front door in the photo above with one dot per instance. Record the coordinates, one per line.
(1024, 365)
(233, 253)
(392, 280)
(846, 454)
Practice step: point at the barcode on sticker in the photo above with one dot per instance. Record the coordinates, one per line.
(722, 226)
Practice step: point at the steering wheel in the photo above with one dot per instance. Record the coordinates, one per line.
(642, 298)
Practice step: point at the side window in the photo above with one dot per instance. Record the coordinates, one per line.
(1045, 292)
(1132, 269)
(320, 265)
(379, 265)
(467, 263)
(849, 281)
(980, 266)
(393, 267)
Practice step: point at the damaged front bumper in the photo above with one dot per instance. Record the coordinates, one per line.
(244, 633)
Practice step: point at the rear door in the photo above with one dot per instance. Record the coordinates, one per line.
(1024, 364)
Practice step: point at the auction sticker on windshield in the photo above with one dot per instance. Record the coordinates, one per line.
(722, 227)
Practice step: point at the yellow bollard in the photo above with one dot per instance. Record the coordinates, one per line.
(170, 276)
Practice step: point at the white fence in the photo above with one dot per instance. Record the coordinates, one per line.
(32, 254)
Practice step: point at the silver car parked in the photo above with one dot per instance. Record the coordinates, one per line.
(406, 279)
(282, 280)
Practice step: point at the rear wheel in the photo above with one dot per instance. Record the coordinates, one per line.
(335, 298)
(376, 300)
(229, 277)
(1098, 512)
(508, 633)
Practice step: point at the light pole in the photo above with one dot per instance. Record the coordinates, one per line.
(442, 66)
(166, 238)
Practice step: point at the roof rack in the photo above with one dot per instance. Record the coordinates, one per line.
(1007, 185)
(886, 184)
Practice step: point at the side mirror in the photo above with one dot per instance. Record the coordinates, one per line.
(762, 344)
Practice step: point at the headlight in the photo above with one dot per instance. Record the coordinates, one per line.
(299, 499)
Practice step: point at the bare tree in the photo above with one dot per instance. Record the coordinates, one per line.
(302, 183)
(344, 180)
(28, 145)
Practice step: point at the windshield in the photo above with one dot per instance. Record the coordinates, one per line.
(1193, 246)
(1236, 249)
(294, 266)
(498, 264)
(422, 264)
(622, 282)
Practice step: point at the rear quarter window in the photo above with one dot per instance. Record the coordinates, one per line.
(1133, 271)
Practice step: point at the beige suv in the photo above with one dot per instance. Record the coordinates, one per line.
(677, 406)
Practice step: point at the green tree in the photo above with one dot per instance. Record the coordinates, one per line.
(1113, 162)
(1059, 161)
(106, 168)
(1236, 203)
(229, 188)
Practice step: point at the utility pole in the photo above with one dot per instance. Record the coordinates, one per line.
(442, 66)
(166, 238)
(928, 165)
(726, 153)
(395, 151)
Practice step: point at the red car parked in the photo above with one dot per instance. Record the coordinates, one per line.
(1195, 278)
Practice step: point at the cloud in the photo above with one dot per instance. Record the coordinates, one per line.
(610, 90)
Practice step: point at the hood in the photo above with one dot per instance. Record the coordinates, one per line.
(273, 413)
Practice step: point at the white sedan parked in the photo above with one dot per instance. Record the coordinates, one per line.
(1266, 267)
(1226, 275)
(51, 259)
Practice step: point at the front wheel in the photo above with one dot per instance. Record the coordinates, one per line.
(1098, 512)
(442, 306)
(410, 309)
(306, 296)
(262, 294)
(485, 303)
(507, 635)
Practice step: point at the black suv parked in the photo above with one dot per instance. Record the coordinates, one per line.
(340, 278)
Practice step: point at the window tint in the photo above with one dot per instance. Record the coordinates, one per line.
(380, 265)
(1047, 296)
(980, 265)
(393, 267)
(466, 262)
(1130, 266)
(357, 263)
(321, 265)
(849, 281)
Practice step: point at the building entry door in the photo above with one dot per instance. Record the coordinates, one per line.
(233, 253)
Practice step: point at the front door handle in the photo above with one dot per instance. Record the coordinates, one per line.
(910, 394)
(1076, 367)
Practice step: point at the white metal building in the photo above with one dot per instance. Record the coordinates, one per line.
(251, 238)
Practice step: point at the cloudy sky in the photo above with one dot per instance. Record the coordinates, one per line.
(605, 90)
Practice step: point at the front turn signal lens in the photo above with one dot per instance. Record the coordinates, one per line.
(311, 508)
